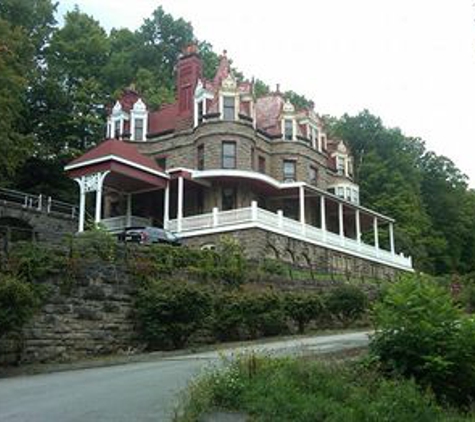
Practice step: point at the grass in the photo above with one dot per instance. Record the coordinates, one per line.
(299, 390)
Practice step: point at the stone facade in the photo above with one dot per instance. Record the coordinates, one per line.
(91, 317)
(259, 244)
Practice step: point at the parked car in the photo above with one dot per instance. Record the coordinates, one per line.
(149, 235)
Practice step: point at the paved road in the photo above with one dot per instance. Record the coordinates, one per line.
(146, 391)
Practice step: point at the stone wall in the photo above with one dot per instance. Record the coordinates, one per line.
(259, 244)
(91, 316)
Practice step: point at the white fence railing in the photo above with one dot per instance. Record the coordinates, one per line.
(276, 222)
(120, 223)
(39, 203)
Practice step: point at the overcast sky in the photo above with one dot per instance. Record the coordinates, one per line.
(412, 62)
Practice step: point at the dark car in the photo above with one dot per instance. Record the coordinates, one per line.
(149, 235)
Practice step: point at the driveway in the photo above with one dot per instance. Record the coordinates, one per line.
(145, 391)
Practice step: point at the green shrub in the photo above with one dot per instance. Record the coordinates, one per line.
(169, 313)
(282, 390)
(420, 333)
(232, 264)
(273, 267)
(303, 308)
(346, 304)
(18, 302)
(33, 262)
(93, 244)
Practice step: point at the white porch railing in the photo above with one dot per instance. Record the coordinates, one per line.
(118, 224)
(242, 218)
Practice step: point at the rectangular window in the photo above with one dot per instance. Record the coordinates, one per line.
(200, 112)
(200, 155)
(228, 108)
(348, 194)
(229, 155)
(340, 191)
(350, 168)
(253, 159)
(313, 175)
(228, 199)
(340, 165)
(288, 129)
(262, 164)
(117, 129)
(355, 196)
(289, 171)
(138, 130)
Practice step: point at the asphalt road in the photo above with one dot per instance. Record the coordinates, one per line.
(146, 391)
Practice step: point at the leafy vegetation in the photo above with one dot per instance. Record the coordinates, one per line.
(421, 334)
(307, 391)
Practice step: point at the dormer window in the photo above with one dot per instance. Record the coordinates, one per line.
(138, 130)
(229, 108)
(117, 129)
(200, 111)
(340, 165)
(288, 129)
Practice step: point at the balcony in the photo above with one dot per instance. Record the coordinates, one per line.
(254, 217)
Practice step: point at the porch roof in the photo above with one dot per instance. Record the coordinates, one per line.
(274, 186)
(129, 170)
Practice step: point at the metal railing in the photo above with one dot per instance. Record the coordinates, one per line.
(118, 224)
(253, 216)
(40, 203)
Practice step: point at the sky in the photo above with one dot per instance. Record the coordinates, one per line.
(411, 62)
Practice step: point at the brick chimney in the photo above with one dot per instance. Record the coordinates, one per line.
(189, 71)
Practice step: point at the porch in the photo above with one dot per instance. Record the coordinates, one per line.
(255, 217)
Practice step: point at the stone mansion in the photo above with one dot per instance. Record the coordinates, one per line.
(221, 161)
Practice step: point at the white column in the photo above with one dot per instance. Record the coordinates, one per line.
(391, 238)
(180, 204)
(358, 226)
(100, 184)
(323, 216)
(128, 211)
(215, 216)
(166, 206)
(302, 206)
(376, 235)
(82, 204)
(340, 220)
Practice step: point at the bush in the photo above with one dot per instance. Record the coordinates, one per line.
(93, 244)
(303, 308)
(18, 302)
(169, 313)
(33, 262)
(232, 264)
(307, 391)
(346, 304)
(420, 333)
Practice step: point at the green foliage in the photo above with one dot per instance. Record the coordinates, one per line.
(303, 308)
(18, 302)
(346, 303)
(33, 262)
(420, 333)
(308, 391)
(170, 312)
(231, 262)
(93, 244)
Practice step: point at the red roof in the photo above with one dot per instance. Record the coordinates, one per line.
(163, 120)
(127, 151)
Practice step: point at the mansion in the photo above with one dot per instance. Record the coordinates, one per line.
(221, 161)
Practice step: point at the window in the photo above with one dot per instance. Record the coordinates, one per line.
(355, 196)
(313, 176)
(340, 191)
(340, 165)
(289, 171)
(117, 129)
(228, 199)
(138, 129)
(253, 160)
(262, 164)
(200, 155)
(228, 108)
(200, 112)
(288, 129)
(348, 194)
(161, 162)
(229, 155)
(350, 168)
